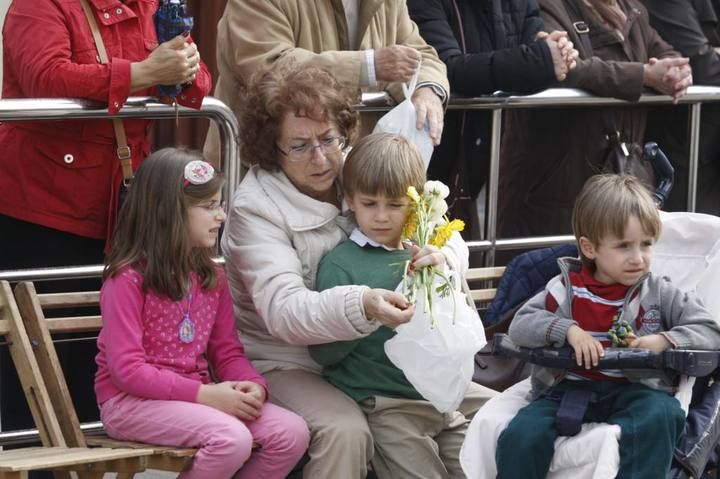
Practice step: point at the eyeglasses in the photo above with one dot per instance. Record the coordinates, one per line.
(212, 207)
(304, 151)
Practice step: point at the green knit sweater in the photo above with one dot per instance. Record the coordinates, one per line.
(360, 367)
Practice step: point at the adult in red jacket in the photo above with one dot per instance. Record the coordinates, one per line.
(60, 180)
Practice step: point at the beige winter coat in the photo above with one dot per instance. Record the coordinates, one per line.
(252, 34)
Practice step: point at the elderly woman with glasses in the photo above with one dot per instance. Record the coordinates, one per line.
(285, 216)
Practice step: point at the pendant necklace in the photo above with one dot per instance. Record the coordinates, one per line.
(186, 330)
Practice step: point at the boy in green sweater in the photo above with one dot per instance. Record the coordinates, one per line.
(412, 439)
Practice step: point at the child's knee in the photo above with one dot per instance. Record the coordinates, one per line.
(298, 434)
(233, 442)
(283, 431)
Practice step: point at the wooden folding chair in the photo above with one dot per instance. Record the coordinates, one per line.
(40, 330)
(17, 463)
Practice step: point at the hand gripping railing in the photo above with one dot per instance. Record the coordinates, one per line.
(135, 107)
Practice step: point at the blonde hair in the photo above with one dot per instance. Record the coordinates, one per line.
(605, 205)
(383, 163)
(152, 228)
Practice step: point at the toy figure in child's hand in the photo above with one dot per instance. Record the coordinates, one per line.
(170, 21)
(621, 333)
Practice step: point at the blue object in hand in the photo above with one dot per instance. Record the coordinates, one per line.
(170, 21)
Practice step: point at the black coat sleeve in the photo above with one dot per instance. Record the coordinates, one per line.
(522, 68)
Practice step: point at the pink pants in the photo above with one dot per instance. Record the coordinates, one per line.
(224, 442)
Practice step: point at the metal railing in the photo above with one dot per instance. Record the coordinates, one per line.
(562, 97)
(146, 108)
(18, 110)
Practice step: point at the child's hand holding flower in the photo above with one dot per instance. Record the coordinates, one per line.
(428, 229)
(430, 255)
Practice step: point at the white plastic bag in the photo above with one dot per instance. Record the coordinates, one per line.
(401, 120)
(439, 361)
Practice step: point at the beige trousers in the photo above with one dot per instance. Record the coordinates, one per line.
(341, 445)
(413, 440)
(341, 442)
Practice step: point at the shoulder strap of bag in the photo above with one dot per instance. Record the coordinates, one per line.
(579, 25)
(612, 133)
(123, 150)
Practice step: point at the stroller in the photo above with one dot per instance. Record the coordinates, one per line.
(688, 252)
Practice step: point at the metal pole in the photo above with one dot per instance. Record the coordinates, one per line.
(695, 110)
(493, 184)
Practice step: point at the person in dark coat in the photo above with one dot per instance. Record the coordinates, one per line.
(487, 45)
(547, 154)
(691, 27)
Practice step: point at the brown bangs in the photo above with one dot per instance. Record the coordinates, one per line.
(383, 164)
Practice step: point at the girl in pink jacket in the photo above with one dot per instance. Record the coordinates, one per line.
(168, 318)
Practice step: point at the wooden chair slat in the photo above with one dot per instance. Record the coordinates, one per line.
(74, 324)
(29, 372)
(105, 441)
(49, 366)
(483, 294)
(488, 273)
(69, 300)
(43, 458)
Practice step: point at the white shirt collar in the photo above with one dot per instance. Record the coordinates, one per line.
(360, 239)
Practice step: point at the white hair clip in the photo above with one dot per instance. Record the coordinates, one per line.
(198, 172)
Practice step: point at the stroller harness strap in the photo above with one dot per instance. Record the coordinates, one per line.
(574, 404)
(570, 414)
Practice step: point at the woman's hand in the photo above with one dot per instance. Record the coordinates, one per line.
(587, 350)
(428, 256)
(389, 308)
(670, 76)
(564, 54)
(174, 62)
(224, 397)
(654, 342)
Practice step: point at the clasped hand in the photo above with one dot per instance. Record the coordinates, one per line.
(564, 54)
(671, 76)
(242, 399)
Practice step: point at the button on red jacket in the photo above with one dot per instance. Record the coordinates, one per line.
(66, 175)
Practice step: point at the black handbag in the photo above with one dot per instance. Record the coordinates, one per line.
(628, 159)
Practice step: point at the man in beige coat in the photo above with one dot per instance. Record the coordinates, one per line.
(368, 45)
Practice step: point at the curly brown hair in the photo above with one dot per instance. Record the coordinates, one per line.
(290, 87)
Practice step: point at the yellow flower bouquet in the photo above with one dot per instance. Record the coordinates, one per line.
(427, 224)
(436, 348)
